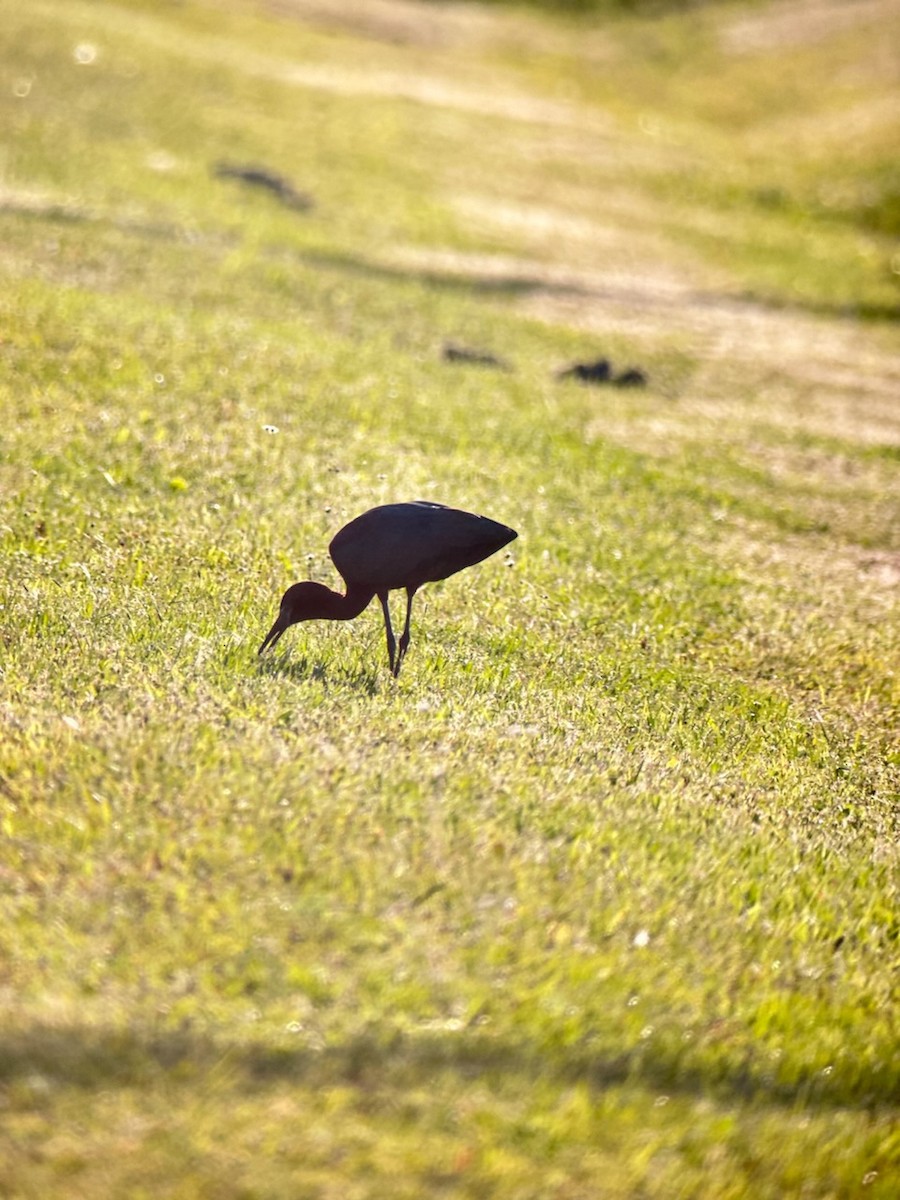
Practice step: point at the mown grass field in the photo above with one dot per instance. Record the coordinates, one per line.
(600, 898)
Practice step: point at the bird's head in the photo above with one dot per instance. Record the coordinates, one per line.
(301, 602)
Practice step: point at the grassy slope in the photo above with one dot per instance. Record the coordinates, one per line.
(601, 897)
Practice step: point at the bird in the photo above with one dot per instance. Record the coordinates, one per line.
(388, 548)
(598, 371)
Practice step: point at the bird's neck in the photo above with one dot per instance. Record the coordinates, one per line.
(345, 608)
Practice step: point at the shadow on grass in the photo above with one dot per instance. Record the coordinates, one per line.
(71, 214)
(93, 1057)
(304, 669)
(509, 284)
(513, 285)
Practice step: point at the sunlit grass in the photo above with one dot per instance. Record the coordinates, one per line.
(601, 896)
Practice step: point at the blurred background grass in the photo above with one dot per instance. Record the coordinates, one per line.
(601, 898)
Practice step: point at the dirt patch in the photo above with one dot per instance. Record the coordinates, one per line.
(405, 22)
(869, 118)
(620, 234)
(31, 202)
(449, 25)
(801, 24)
(442, 93)
(882, 567)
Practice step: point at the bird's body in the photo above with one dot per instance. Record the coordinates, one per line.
(407, 545)
(387, 548)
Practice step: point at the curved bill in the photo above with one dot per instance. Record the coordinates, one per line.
(273, 635)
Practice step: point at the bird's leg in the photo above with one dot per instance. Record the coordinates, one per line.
(404, 637)
(391, 644)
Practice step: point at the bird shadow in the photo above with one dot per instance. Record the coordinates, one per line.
(305, 668)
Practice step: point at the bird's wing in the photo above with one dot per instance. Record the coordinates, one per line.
(406, 545)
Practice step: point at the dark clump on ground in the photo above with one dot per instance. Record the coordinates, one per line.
(462, 354)
(598, 371)
(601, 371)
(632, 377)
(262, 177)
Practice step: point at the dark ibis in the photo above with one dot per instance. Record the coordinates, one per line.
(388, 548)
(598, 371)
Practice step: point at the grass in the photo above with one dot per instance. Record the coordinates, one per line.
(600, 898)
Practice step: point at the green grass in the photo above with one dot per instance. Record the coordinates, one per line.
(601, 897)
